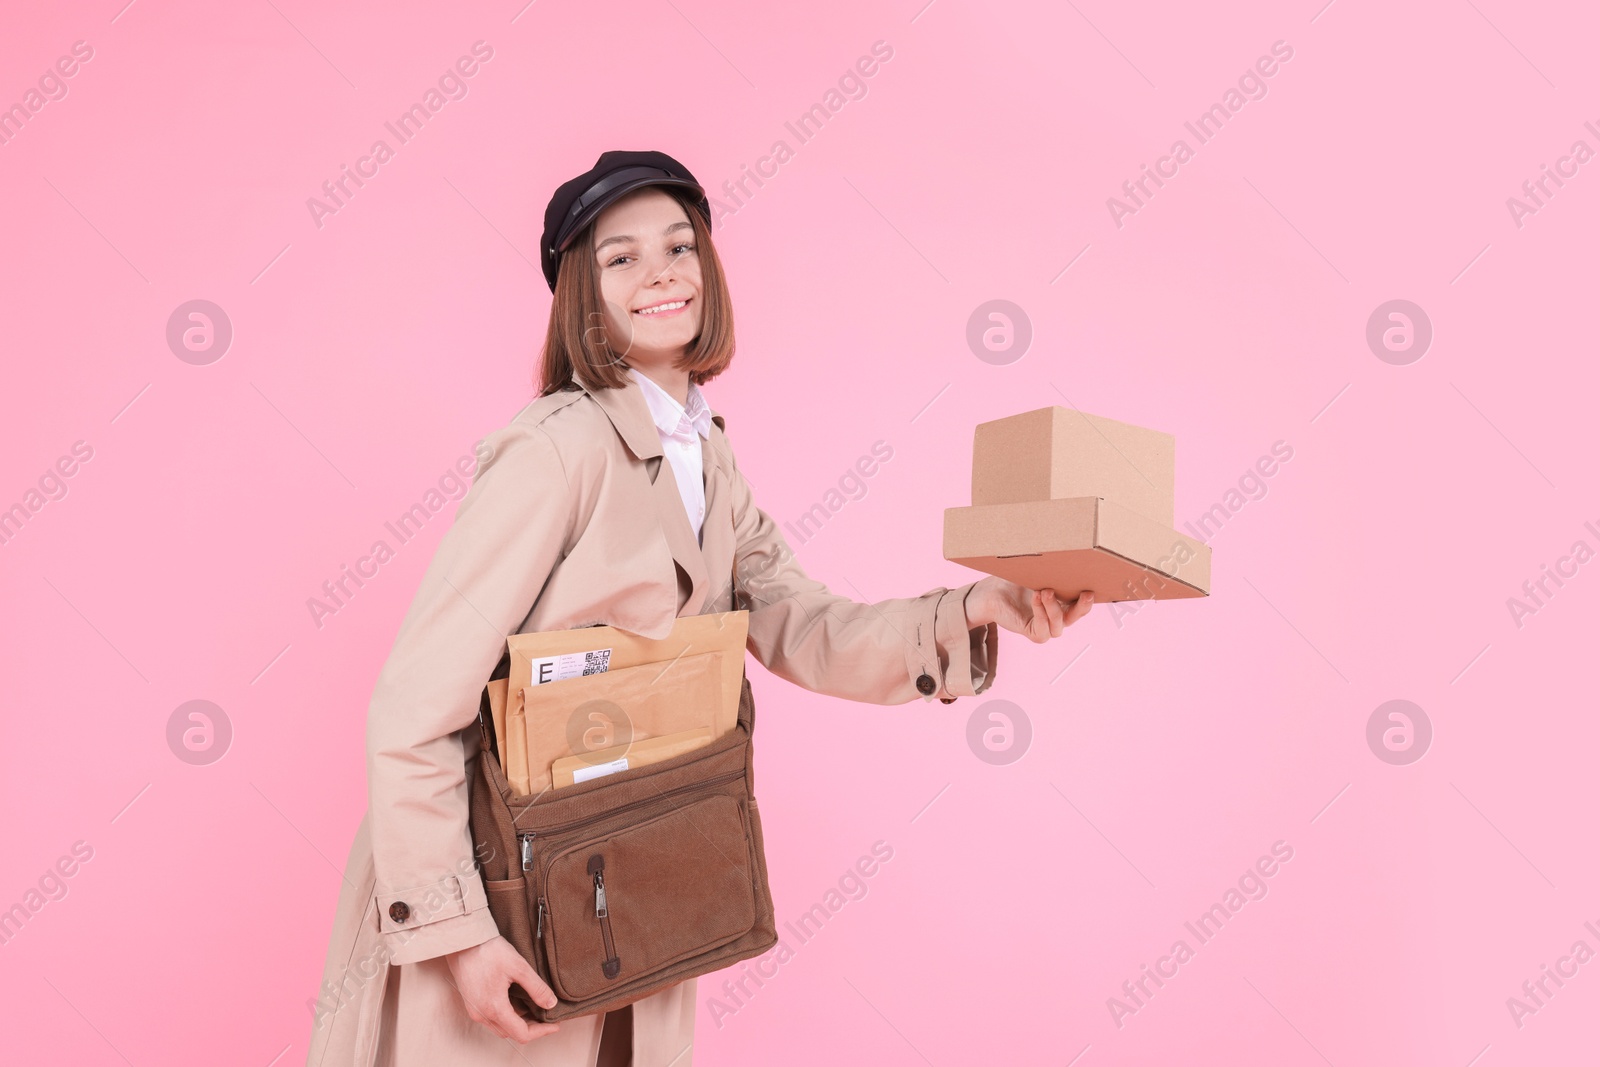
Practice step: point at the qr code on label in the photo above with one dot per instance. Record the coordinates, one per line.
(597, 662)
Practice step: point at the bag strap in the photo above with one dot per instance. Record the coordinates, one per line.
(485, 713)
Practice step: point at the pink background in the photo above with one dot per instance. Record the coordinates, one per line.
(1170, 748)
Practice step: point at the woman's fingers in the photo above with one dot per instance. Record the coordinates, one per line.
(1039, 614)
(1050, 618)
(483, 975)
(483, 1014)
(1080, 606)
(520, 972)
(1052, 611)
(525, 976)
(1038, 629)
(503, 1019)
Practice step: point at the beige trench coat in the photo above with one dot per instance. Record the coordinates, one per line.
(574, 514)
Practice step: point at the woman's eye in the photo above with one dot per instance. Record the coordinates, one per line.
(677, 250)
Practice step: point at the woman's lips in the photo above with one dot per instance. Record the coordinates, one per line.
(645, 313)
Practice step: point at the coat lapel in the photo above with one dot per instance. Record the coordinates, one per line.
(717, 530)
(630, 415)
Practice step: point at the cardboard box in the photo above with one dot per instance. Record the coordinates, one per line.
(1076, 544)
(1072, 502)
(1055, 453)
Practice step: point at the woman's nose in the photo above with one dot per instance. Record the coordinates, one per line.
(663, 268)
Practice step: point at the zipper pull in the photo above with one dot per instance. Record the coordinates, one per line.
(597, 868)
(611, 966)
(538, 931)
(527, 850)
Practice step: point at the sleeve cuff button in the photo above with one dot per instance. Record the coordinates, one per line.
(926, 685)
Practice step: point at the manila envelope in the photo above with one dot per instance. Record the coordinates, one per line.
(514, 754)
(723, 631)
(497, 715)
(577, 717)
(570, 770)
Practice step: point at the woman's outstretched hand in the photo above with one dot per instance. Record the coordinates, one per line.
(1037, 614)
(483, 975)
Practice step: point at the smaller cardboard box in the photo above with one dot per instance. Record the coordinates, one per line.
(1055, 453)
(1072, 502)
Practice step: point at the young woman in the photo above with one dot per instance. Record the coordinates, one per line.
(614, 497)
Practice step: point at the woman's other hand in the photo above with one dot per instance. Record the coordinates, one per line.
(1037, 614)
(483, 975)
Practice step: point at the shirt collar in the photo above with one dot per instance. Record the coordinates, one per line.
(670, 416)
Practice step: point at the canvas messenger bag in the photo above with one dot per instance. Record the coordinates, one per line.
(618, 887)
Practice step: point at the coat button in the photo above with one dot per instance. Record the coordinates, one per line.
(399, 911)
(947, 700)
(926, 685)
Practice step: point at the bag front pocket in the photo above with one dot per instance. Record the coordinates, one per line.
(508, 903)
(645, 897)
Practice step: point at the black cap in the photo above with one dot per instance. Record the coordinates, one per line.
(614, 175)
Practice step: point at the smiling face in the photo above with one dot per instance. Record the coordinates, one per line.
(649, 277)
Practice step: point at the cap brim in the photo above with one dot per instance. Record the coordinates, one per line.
(611, 196)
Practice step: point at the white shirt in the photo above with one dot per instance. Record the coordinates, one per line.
(681, 429)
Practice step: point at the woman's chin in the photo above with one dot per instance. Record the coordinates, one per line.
(664, 340)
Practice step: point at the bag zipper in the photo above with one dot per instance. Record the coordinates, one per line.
(525, 837)
(611, 966)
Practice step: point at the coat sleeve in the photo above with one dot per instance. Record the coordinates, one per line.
(888, 652)
(509, 531)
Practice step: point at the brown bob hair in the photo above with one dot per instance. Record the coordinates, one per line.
(576, 342)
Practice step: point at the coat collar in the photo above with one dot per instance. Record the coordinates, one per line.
(713, 554)
(669, 415)
(629, 412)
